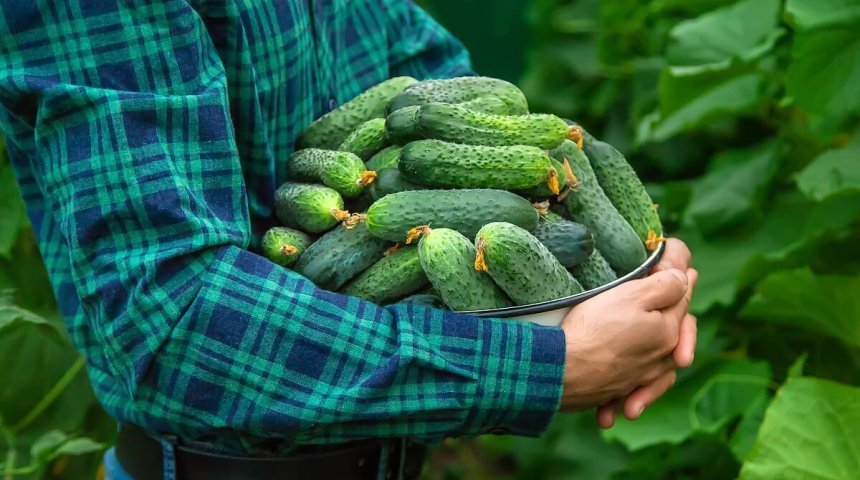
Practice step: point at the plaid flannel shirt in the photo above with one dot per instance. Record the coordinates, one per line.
(148, 137)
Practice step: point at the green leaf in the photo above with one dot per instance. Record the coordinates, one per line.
(80, 446)
(741, 31)
(825, 68)
(811, 430)
(11, 209)
(826, 304)
(45, 446)
(713, 395)
(832, 173)
(744, 435)
(731, 189)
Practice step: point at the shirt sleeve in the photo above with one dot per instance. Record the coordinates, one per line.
(420, 46)
(136, 157)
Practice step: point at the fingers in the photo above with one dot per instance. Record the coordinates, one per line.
(606, 414)
(644, 396)
(686, 349)
(677, 255)
(661, 290)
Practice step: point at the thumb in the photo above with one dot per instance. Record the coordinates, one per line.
(662, 289)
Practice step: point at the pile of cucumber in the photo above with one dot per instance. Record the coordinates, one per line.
(449, 193)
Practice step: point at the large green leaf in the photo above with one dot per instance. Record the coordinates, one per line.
(834, 172)
(825, 68)
(811, 430)
(826, 304)
(11, 210)
(742, 31)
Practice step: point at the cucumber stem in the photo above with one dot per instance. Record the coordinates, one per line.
(653, 240)
(574, 132)
(416, 232)
(367, 177)
(480, 263)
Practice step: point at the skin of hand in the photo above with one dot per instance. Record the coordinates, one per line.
(623, 339)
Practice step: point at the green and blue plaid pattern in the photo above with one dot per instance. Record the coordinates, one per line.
(148, 138)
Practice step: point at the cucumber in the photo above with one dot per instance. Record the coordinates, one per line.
(331, 129)
(594, 272)
(389, 181)
(551, 216)
(340, 255)
(425, 300)
(624, 189)
(588, 205)
(521, 265)
(443, 164)
(454, 123)
(570, 242)
(367, 139)
(401, 127)
(342, 171)
(311, 208)
(543, 190)
(460, 89)
(386, 158)
(489, 104)
(448, 259)
(393, 277)
(284, 245)
(466, 211)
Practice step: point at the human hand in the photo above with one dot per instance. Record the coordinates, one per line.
(676, 256)
(622, 339)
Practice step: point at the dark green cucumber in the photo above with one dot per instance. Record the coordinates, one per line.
(425, 300)
(390, 181)
(448, 259)
(454, 123)
(542, 189)
(367, 139)
(521, 265)
(401, 127)
(458, 90)
(466, 211)
(340, 255)
(308, 207)
(570, 242)
(284, 245)
(332, 128)
(394, 276)
(443, 164)
(623, 187)
(588, 205)
(490, 104)
(342, 171)
(594, 272)
(386, 158)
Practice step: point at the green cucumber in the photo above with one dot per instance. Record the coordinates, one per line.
(342, 171)
(594, 272)
(551, 216)
(425, 300)
(340, 255)
(385, 158)
(308, 207)
(489, 104)
(443, 164)
(395, 276)
(570, 242)
(454, 123)
(460, 89)
(448, 259)
(331, 129)
(521, 265)
(588, 205)
(623, 187)
(542, 190)
(393, 217)
(284, 245)
(390, 180)
(401, 127)
(367, 139)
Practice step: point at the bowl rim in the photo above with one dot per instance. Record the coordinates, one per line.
(571, 300)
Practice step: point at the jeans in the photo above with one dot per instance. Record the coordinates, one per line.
(113, 470)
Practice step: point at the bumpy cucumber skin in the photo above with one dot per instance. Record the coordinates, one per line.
(588, 205)
(465, 211)
(570, 242)
(490, 104)
(385, 158)
(448, 259)
(623, 187)
(367, 139)
(522, 266)
(340, 255)
(338, 170)
(425, 300)
(388, 181)
(443, 164)
(542, 190)
(306, 206)
(458, 90)
(401, 126)
(276, 238)
(331, 129)
(453, 123)
(392, 277)
(594, 272)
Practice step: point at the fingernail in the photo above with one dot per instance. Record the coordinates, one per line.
(641, 410)
(693, 357)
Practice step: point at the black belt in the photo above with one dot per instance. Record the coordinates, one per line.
(141, 456)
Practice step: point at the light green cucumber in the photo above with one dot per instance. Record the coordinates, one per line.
(284, 245)
(594, 272)
(394, 276)
(458, 90)
(308, 207)
(489, 104)
(543, 190)
(425, 300)
(388, 181)
(570, 242)
(340, 255)
(386, 158)
(342, 171)
(366, 140)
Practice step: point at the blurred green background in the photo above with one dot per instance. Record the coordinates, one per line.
(742, 117)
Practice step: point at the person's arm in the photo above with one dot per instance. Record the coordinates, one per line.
(136, 157)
